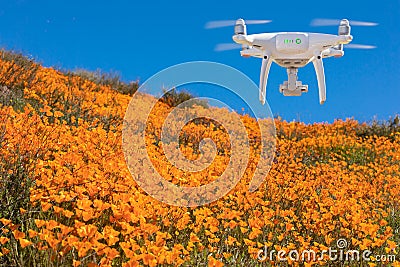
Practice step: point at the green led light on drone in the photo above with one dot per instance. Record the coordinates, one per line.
(290, 41)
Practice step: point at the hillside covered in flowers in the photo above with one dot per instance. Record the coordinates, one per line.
(67, 197)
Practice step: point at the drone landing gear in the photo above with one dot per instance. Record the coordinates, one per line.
(292, 87)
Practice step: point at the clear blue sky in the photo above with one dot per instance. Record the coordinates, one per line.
(140, 38)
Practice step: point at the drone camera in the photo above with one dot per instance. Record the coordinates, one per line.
(299, 89)
(293, 87)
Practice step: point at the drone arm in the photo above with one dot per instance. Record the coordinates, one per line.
(336, 51)
(265, 67)
(319, 70)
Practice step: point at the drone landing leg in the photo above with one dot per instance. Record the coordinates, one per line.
(265, 67)
(319, 70)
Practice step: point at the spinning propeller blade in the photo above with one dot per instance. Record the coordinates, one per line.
(359, 46)
(227, 23)
(335, 22)
(227, 46)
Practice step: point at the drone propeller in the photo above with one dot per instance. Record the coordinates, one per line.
(334, 22)
(359, 46)
(227, 23)
(233, 46)
(227, 46)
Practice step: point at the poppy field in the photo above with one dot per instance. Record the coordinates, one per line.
(67, 197)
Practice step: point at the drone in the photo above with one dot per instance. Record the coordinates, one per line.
(291, 50)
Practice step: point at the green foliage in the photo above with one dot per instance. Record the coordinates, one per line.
(18, 75)
(14, 98)
(174, 98)
(380, 128)
(15, 183)
(111, 79)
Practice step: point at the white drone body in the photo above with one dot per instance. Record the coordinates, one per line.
(292, 50)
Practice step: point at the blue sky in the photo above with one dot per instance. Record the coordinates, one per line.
(140, 38)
